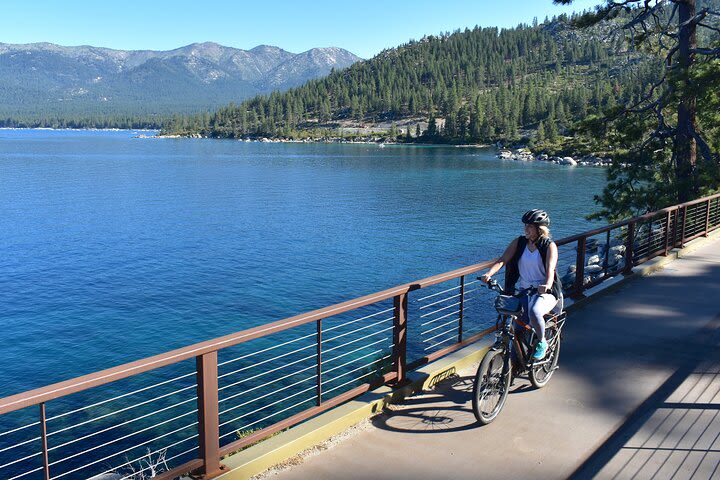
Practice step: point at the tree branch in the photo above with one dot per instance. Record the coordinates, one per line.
(709, 27)
(704, 148)
(706, 51)
(668, 57)
(646, 12)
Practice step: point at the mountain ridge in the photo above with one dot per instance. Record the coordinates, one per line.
(41, 78)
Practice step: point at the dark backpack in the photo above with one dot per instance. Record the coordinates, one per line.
(512, 271)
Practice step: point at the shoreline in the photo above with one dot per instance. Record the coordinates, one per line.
(502, 153)
(330, 140)
(518, 154)
(523, 154)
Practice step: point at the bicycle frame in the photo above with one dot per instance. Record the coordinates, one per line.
(518, 350)
(508, 341)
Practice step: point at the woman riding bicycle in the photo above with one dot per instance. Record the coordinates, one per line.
(530, 262)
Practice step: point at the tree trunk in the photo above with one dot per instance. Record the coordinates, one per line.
(685, 148)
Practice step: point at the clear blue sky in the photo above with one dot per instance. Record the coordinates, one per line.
(363, 27)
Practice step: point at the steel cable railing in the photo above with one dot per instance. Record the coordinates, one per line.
(650, 239)
(360, 339)
(26, 442)
(428, 305)
(437, 327)
(265, 350)
(325, 362)
(119, 425)
(124, 395)
(272, 359)
(116, 412)
(342, 335)
(381, 312)
(36, 470)
(353, 371)
(338, 367)
(237, 405)
(432, 344)
(20, 454)
(264, 385)
(139, 473)
(441, 309)
(119, 439)
(267, 390)
(436, 312)
(421, 299)
(255, 399)
(267, 372)
(15, 430)
(27, 457)
(429, 322)
(252, 424)
(714, 217)
(264, 407)
(95, 462)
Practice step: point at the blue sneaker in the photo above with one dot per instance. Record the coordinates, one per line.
(540, 350)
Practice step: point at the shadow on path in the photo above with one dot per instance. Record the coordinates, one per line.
(446, 408)
(674, 433)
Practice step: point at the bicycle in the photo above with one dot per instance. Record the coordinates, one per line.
(511, 355)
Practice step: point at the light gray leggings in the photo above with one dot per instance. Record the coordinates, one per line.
(535, 307)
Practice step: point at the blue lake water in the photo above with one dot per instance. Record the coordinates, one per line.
(115, 248)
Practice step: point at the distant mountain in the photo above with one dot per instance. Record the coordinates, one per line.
(47, 79)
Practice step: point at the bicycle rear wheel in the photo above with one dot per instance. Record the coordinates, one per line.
(540, 372)
(491, 387)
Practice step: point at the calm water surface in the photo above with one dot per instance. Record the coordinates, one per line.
(115, 248)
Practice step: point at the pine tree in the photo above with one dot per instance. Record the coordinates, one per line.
(540, 134)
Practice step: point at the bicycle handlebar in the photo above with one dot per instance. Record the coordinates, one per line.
(494, 285)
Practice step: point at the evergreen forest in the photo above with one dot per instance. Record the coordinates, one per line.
(479, 85)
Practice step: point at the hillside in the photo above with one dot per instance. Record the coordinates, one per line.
(479, 85)
(47, 80)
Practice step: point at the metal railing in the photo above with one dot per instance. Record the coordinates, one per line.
(186, 409)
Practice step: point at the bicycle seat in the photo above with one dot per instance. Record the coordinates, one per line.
(507, 305)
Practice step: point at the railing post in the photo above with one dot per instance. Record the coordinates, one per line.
(208, 414)
(606, 260)
(667, 234)
(707, 219)
(630, 241)
(318, 368)
(400, 337)
(43, 437)
(579, 269)
(462, 308)
(682, 231)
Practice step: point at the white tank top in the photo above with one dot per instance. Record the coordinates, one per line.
(532, 270)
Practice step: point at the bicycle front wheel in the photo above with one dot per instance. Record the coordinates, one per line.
(491, 387)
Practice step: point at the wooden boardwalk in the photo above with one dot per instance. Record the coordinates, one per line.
(637, 396)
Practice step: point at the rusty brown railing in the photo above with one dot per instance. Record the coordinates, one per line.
(395, 330)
